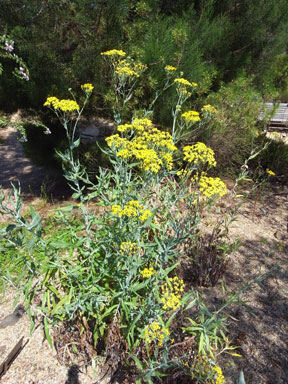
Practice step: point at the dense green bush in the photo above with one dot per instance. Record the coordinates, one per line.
(234, 131)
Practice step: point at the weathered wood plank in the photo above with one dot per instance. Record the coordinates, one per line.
(4, 366)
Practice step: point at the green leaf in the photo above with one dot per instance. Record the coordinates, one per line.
(241, 378)
(47, 332)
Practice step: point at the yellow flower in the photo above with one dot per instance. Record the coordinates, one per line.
(116, 209)
(172, 292)
(51, 101)
(114, 52)
(208, 108)
(199, 153)
(211, 186)
(128, 248)
(126, 71)
(220, 379)
(87, 87)
(63, 105)
(124, 127)
(182, 173)
(147, 272)
(269, 172)
(155, 332)
(183, 82)
(140, 124)
(170, 68)
(191, 116)
(132, 209)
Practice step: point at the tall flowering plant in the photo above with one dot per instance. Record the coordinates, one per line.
(119, 272)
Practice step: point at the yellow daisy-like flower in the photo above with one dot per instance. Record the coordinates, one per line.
(155, 332)
(208, 108)
(183, 81)
(87, 87)
(63, 105)
(128, 248)
(114, 52)
(269, 172)
(199, 153)
(132, 209)
(220, 379)
(211, 186)
(191, 116)
(172, 292)
(124, 127)
(170, 68)
(126, 71)
(147, 272)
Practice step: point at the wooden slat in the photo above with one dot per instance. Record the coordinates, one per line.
(4, 366)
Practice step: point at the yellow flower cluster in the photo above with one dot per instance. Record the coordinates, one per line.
(170, 68)
(114, 52)
(185, 82)
(199, 153)
(150, 146)
(182, 81)
(208, 108)
(211, 186)
(141, 124)
(147, 272)
(269, 172)
(63, 105)
(132, 209)
(220, 379)
(88, 87)
(128, 69)
(128, 248)
(182, 173)
(191, 116)
(124, 127)
(155, 332)
(171, 293)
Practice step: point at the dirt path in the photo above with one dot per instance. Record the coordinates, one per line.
(260, 326)
(16, 167)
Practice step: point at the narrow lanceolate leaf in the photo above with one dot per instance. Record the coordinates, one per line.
(241, 378)
(47, 332)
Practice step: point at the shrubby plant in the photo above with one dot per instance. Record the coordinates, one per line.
(117, 271)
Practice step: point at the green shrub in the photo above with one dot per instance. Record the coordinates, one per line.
(234, 130)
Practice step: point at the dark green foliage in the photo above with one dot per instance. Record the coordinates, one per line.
(232, 133)
(275, 157)
(211, 42)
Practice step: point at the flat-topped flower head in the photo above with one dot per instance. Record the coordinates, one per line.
(155, 332)
(147, 272)
(199, 153)
(114, 52)
(212, 186)
(133, 209)
(182, 81)
(171, 293)
(209, 109)
(170, 68)
(63, 105)
(191, 116)
(127, 248)
(88, 88)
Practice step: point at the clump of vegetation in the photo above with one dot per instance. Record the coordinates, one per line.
(115, 269)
